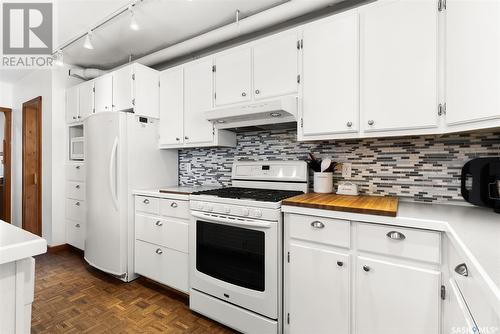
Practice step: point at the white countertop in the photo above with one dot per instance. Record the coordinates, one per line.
(175, 192)
(474, 231)
(17, 244)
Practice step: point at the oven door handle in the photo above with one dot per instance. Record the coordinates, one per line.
(222, 219)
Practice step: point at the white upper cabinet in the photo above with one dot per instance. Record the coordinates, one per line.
(122, 89)
(146, 91)
(233, 76)
(275, 66)
(103, 96)
(330, 84)
(86, 99)
(399, 58)
(472, 64)
(198, 93)
(72, 104)
(384, 289)
(171, 106)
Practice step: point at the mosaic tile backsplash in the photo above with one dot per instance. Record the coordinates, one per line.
(421, 168)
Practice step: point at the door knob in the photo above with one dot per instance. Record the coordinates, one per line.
(174, 205)
(159, 251)
(349, 124)
(340, 263)
(77, 203)
(77, 186)
(77, 225)
(257, 91)
(159, 223)
(146, 201)
(177, 138)
(371, 122)
(243, 94)
(186, 137)
(366, 268)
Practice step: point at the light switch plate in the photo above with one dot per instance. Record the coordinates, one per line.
(346, 169)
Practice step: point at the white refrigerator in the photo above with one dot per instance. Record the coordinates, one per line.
(121, 155)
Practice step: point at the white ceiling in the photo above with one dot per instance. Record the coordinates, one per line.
(162, 22)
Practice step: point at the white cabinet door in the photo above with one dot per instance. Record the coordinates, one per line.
(472, 61)
(72, 104)
(86, 92)
(146, 91)
(233, 76)
(275, 62)
(122, 89)
(399, 65)
(385, 289)
(330, 89)
(197, 100)
(457, 318)
(318, 291)
(171, 107)
(103, 97)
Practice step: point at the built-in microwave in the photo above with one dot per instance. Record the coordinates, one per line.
(76, 150)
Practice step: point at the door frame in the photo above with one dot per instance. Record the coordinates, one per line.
(38, 102)
(7, 160)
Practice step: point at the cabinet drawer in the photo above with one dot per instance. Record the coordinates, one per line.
(483, 313)
(75, 210)
(174, 208)
(75, 172)
(397, 241)
(147, 204)
(329, 231)
(164, 265)
(75, 190)
(164, 232)
(75, 234)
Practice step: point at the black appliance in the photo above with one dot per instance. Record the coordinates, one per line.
(480, 182)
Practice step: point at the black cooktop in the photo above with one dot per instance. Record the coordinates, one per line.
(265, 195)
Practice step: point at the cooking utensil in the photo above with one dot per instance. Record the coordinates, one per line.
(325, 164)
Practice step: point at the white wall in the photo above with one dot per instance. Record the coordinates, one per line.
(5, 95)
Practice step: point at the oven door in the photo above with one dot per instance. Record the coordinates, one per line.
(236, 260)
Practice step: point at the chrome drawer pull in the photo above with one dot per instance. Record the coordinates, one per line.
(340, 263)
(366, 268)
(174, 205)
(146, 201)
(77, 203)
(395, 235)
(159, 251)
(461, 269)
(317, 224)
(77, 167)
(159, 223)
(77, 186)
(77, 225)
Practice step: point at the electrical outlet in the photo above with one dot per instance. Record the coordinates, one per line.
(346, 169)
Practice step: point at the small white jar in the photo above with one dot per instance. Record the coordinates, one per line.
(323, 182)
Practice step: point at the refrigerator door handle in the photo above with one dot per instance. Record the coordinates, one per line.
(112, 174)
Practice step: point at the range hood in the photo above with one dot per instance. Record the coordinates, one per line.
(278, 110)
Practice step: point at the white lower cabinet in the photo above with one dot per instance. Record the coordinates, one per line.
(75, 205)
(161, 240)
(396, 298)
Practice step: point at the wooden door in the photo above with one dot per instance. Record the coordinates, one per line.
(5, 202)
(330, 89)
(197, 100)
(32, 166)
(399, 65)
(275, 62)
(172, 107)
(384, 289)
(233, 75)
(318, 291)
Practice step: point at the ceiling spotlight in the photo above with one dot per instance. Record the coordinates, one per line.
(133, 22)
(58, 58)
(88, 41)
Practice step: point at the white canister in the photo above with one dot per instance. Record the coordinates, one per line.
(323, 183)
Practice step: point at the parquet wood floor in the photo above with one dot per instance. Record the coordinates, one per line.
(72, 297)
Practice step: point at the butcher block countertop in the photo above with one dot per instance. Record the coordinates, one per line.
(374, 205)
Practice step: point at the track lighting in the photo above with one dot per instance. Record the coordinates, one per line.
(88, 41)
(133, 22)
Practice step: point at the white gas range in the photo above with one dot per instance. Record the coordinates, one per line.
(236, 245)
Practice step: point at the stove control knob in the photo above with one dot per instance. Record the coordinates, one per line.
(245, 212)
(227, 209)
(258, 213)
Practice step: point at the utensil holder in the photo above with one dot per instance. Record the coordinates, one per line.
(323, 182)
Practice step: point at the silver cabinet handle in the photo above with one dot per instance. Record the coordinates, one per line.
(349, 124)
(186, 137)
(243, 94)
(366, 268)
(146, 201)
(177, 138)
(77, 225)
(77, 167)
(317, 224)
(371, 122)
(340, 263)
(257, 91)
(159, 251)
(159, 223)
(77, 186)
(395, 235)
(461, 269)
(74, 117)
(77, 203)
(174, 205)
